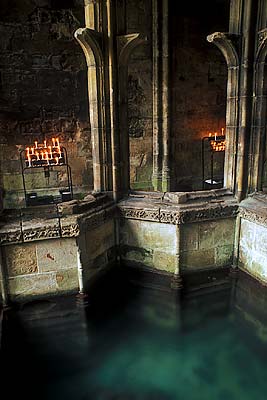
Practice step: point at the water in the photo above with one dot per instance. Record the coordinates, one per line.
(140, 344)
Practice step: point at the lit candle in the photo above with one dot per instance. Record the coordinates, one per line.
(28, 151)
(42, 155)
(50, 151)
(53, 141)
(57, 140)
(56, 158)
(45, 144)
(215, 135)
(46, 157)
(37, 156)
(29, 160)
(36, 144)
(222, 131)
(32, 149)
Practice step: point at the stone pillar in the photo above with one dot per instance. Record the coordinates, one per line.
(258, 169)
(107, 55)
(161, 101)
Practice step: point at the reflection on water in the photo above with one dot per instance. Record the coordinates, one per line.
(139, 344)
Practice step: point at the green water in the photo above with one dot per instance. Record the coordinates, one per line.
(143, 345)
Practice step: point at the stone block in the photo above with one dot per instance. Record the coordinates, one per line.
(138, 255)
(224, 232)
(198, 259)
(67, 279)
(58, 254)
(164, 261)
(206, 235)
(189, 237)
(100, 239)
(21, 259)
(260, 244)
(224, 255)
(37, 284)
(247, 234)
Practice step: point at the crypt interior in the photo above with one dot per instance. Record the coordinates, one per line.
(133, 147)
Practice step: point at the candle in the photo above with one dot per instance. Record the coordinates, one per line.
(29, 160)
(45, 144)
(36, 144)
(215, 135)
(28, 151)
(46, 157)
(37, 156)
(50, 151)
(32, 149)
(42, 155)
(222, 131)
(53, 141)
(56, 158)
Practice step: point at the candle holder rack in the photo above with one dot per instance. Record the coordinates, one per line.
(47, 158)
(216, 145)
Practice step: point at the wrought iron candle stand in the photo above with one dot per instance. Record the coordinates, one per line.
(47, 157)
(216, 145)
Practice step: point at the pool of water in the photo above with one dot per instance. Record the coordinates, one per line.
(139, 344)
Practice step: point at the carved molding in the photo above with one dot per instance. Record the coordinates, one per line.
(10, 237)
(180, 216)
(135, 213)
(126, 44)
(262, 46)
(252, 216)
(91, 43)
(228, 44)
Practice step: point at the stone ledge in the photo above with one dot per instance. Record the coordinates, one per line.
(160, 209)
(74, 218)
(254, 209)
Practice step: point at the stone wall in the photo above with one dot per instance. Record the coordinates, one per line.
(43, 90)
(208, 244)
(41, 268)
(253, 237)
(139, 19)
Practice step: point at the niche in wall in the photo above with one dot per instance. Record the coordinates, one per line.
(198, 89)
(43, 91)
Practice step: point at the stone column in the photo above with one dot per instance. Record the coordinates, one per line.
(259, 112)
(161, 101)
(245, 97)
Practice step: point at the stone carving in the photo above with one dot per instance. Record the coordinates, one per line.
(41, 233)
(70, 230)
(135, 213)
(180, 216)
(251, 216)
(10, 237)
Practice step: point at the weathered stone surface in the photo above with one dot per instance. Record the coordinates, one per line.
(67, 280)
(100, 239)
(150, 235)
(36, 284)
(54, 255)
(21, 259)
(164, 261)
(198, 259)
